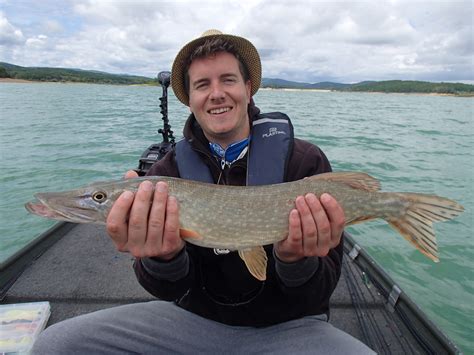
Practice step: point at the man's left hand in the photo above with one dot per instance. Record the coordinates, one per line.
(315, 227)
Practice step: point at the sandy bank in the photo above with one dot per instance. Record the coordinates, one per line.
(10, 80)
(295, 89)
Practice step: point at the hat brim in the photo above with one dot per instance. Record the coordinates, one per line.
(245, 48)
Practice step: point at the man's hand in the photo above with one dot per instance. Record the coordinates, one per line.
(146, 223)
(315, 227)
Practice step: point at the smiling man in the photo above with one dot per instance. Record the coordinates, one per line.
(219, 98)
(212, 301)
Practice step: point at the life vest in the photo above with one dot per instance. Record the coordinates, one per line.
(271, 142)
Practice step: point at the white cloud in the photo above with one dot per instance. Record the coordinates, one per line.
(303, 40)
(37, 41)
(9, 34)
(52, 26)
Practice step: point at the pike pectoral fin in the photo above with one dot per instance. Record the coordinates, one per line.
(189, 233)
(256, 261)
(356, 180)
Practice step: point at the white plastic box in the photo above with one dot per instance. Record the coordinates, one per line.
(20, 325)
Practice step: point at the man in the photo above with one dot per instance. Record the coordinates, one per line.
(209, 301)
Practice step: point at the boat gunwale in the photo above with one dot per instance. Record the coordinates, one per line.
(408, 311)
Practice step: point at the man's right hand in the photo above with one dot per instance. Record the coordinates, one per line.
(146, 223)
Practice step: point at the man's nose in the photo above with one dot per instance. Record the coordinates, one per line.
(217, 93)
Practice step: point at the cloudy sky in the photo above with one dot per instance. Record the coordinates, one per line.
(301, 40)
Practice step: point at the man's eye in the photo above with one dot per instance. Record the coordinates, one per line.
(200, 86)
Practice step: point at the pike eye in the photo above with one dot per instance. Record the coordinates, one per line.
(99, 196)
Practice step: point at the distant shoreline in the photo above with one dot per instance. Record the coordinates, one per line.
(18, 74)
(366, 92)
(296, 89)
(22, 81)
(10, 80)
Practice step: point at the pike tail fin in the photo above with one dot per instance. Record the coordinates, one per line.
(416, 224)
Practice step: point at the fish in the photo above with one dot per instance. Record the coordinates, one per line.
(245, 218)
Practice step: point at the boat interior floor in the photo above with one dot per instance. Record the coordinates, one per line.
(82, 272)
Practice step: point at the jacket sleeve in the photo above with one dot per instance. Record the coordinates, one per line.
(315, 276)
(167, 280)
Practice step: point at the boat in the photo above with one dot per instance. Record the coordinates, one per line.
(76, 268)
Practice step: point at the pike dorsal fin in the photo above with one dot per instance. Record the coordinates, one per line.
(356, 180)
(256, 261)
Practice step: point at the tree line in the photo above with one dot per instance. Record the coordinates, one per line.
(70, 75)
(407, 86)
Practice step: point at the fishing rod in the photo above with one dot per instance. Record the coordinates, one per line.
(157, 151)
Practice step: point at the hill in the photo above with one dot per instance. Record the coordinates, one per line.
(69, 75)
(406, 86)
(389, 86)
(286, 84)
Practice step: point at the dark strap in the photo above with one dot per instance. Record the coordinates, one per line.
(272, 137)
(190, 164)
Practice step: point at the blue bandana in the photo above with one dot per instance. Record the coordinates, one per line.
(233, 152)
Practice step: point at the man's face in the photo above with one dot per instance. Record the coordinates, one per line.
(218, 97)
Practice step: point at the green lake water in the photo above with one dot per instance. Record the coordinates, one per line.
(60, 136)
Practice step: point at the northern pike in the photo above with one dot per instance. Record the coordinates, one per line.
(244, 218)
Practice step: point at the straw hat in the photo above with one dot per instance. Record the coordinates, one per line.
(246, 50)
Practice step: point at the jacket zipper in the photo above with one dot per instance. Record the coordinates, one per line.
(222, 163)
